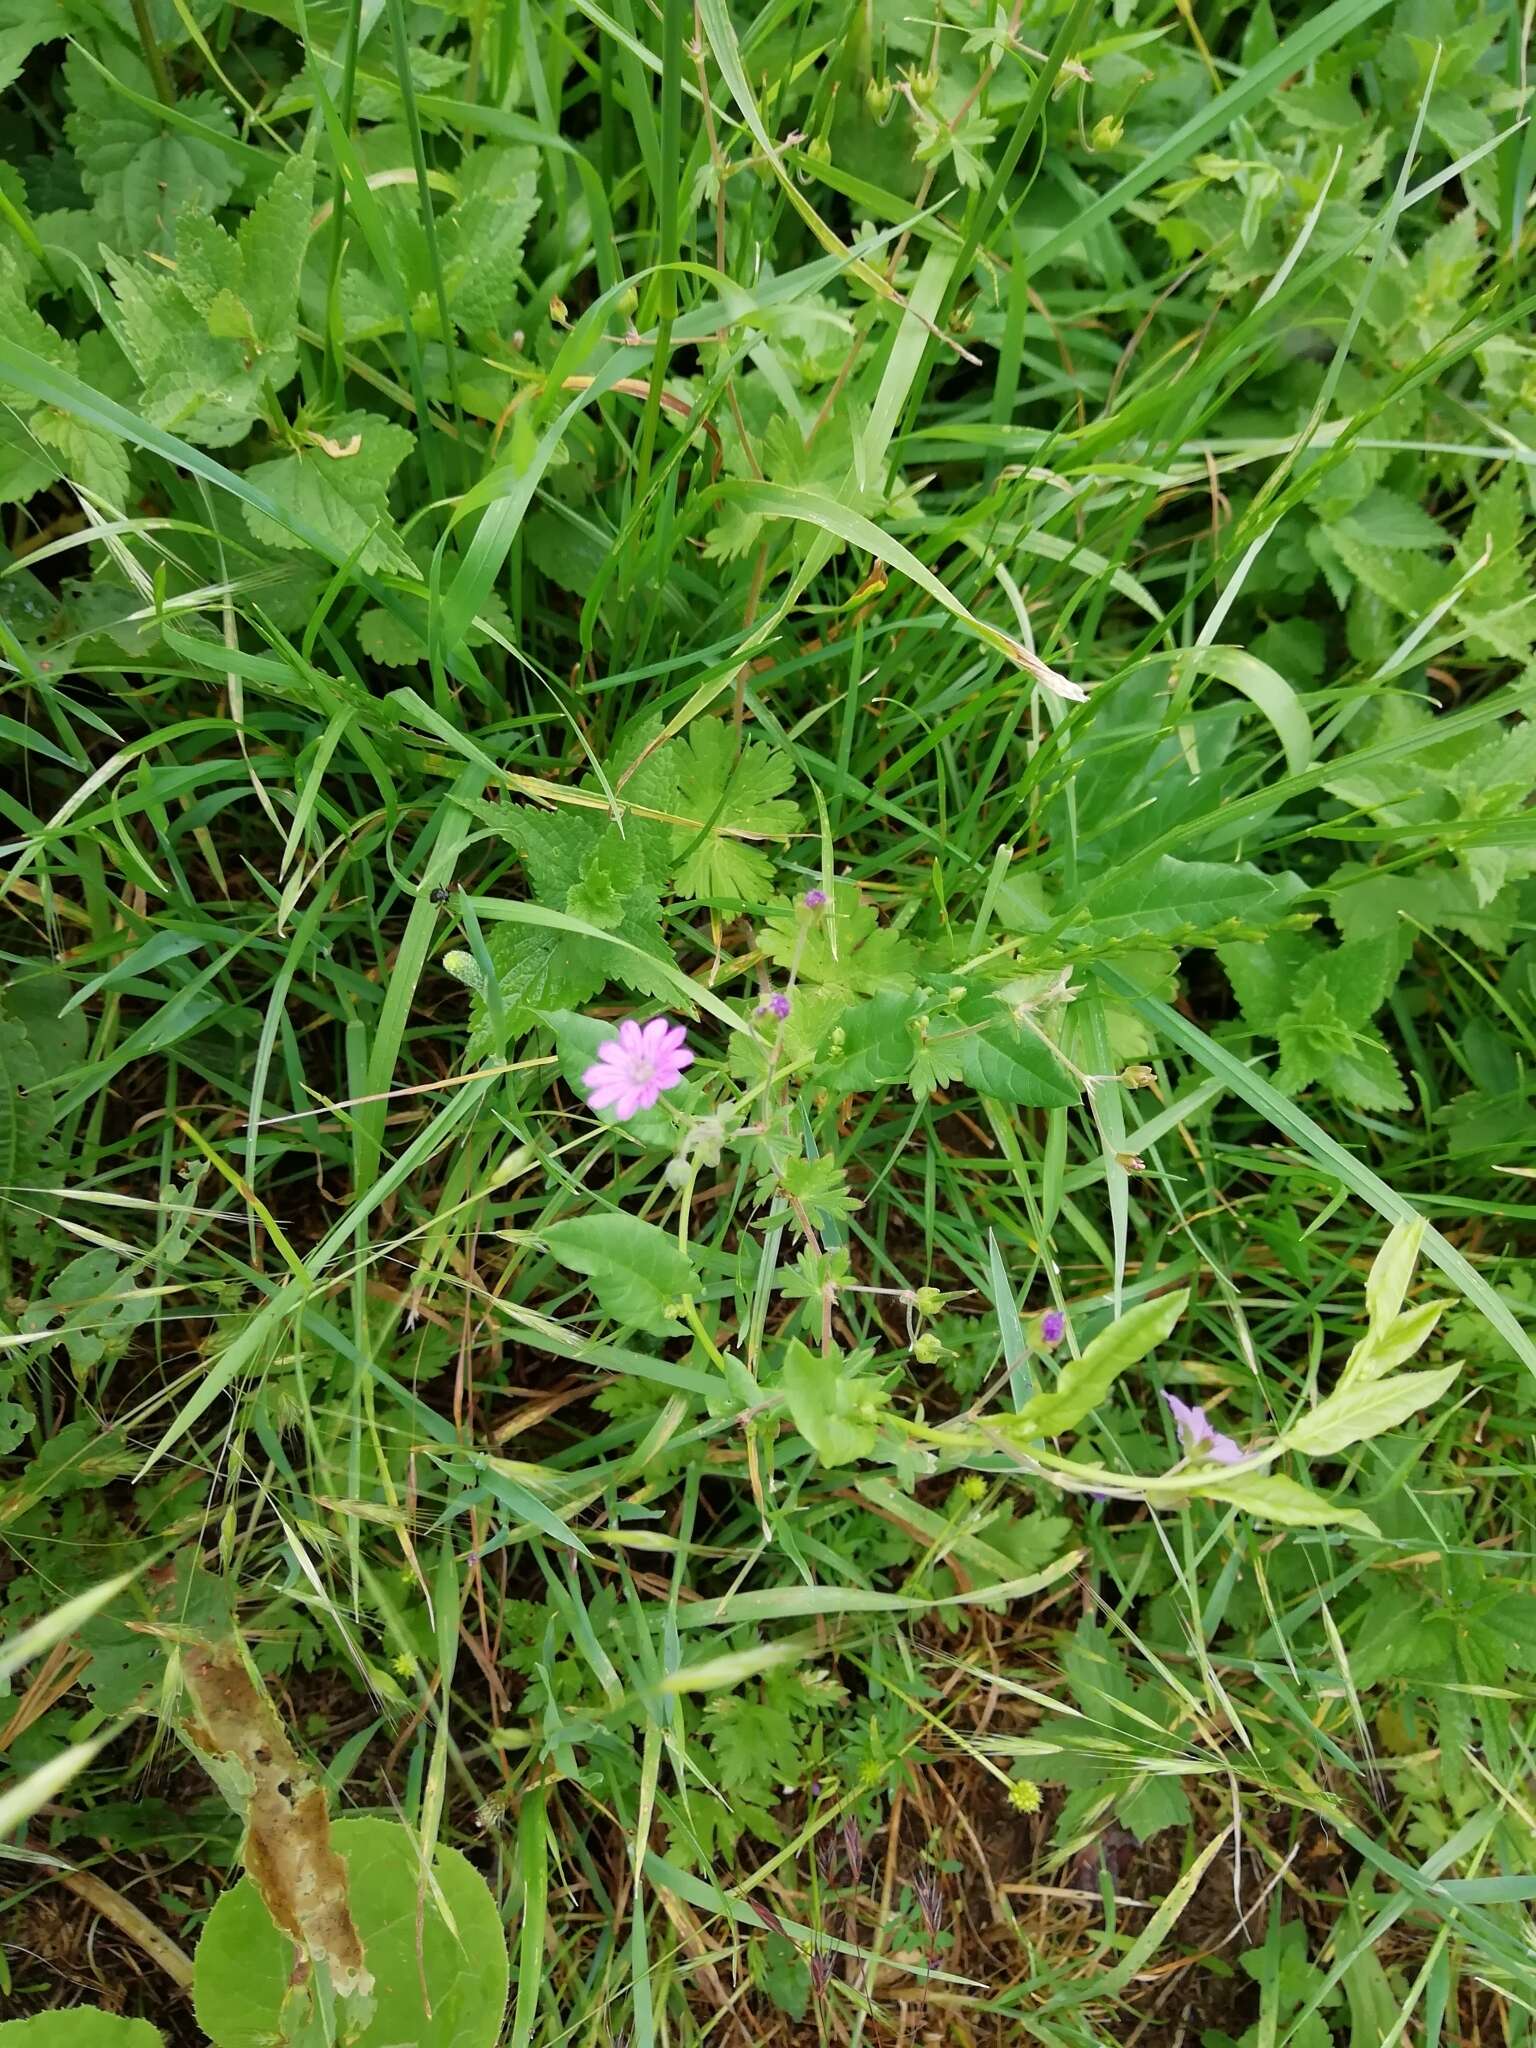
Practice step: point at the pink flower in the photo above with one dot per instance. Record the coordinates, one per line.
(776, 1006)
(632, 1070)
(1198, 1438)
(1053, 1326)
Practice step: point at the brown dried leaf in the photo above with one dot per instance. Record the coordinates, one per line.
(236, 1733)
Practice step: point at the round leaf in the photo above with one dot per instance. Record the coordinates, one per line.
(244, 1962)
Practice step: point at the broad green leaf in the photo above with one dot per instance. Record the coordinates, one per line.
(1086, 1380)
(1169, 899)
(1008, 1062)
(1274, 1498)
(82, 2026)
(837, 1412)
(877, 1044)
(142, 170)
(23, 25)
(338, 481)
(1351, 1414)
(1386, 519)
(843, 946)
(636, 1268)
(434, 1986)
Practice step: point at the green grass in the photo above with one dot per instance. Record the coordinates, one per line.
(498, 506)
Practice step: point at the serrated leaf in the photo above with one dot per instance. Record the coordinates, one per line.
(141, 172)
(23, 25)
(1085, 1381)
(837, 1412)
(345, 495)
(636, 1268)
(843, 946)
(1386, 519)
(82, 2026)
(1169, 898)
(729, 791)
(1351, 1414)
(482, 239)
(211, 334)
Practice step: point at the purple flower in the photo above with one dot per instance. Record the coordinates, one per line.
(631, 1070)
(1197, 1438)
(776, 1006)
(1053, 1326)
(814, 899)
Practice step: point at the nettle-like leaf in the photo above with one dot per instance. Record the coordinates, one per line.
(37, 1045)
(1317, 1002)
(835, 1410)
(637, 1269)
(479, 251)
(1002, 1056)
(396, 641)
(729, 790)
(142, 172)
(38, 443)
(338, 482)
(23, 25)
(213, 335)
(1118, 1752)
(1192, 901)
(581, 864)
